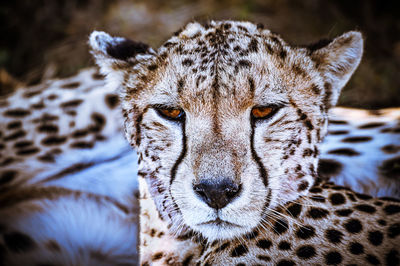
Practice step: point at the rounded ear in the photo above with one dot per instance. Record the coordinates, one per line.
(337, 60)
(116, 54)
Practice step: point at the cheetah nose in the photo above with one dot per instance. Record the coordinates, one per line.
(217, 194)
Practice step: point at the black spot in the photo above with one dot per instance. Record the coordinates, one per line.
(97, 76)
(244, 63)
(18, 112)
(390, 199)
(337, 199)
(303, 186)
(285, 263)
(362, 196)
(71, 85)
(280, 226)
(52, 97)
(294, 210)
(338, 122)
(82, 145)
(227, 26)
(356, 248)
(48, 128)
(391, 209)
(29, 94)
(314, 88)
(111, 100)
(371, 125)
(152, 67)
(366, 208)
(253, 46)
(157, 256)
(317, 213)
(47, 158)
(45, 118)
(80, 133)
(338, 132)
(372, 259)
(222, 247)
(22, 144)
(394, 230)
(306, 252)
(392, 258)
(187, 62)
(333, 258)
(382, 222)
(54, 140)
(7, 176)
(251, 235)
(264, 258)
(315, 190)
(181, 83)
(344, 212)
(14, 125)
(260, 26)
(72, 103)
(18, 242)
(353, 226)
(28, 151)
(187, 260)
(264, 244)
(98, 119)
(284, 245)
(344, 152)
(356, 139)
(317, 198)
(305, 232)
(126, 49)
(390, 168)
(334, 236)
(328, 168)
(375, 237)
(239, 251)
(391, 148)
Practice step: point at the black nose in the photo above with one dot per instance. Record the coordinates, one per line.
(217, 194)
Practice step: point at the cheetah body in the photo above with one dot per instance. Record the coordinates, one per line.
(63, 152)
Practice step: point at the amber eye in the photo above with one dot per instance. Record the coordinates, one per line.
(261, 112)
(174, 114)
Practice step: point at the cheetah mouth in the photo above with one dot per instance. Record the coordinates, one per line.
(219, 222)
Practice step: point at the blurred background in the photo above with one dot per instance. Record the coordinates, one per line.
(44, 39)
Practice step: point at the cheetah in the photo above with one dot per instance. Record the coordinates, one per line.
(227, 119)
(67, 176)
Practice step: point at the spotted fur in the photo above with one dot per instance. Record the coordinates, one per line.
(216, 74)
(67, 175)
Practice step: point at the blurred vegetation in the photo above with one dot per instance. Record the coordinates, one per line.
(48, 38)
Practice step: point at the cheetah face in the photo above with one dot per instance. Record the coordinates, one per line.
(226, 119)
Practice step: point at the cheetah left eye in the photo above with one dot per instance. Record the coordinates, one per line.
(264, 112)
(170, 113)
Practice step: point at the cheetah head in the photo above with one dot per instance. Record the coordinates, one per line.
(226, 119)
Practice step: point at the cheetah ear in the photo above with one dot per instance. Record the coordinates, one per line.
(337, 60)
(116, 54)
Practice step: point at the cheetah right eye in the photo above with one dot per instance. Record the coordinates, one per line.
(171, 113)
(264, 112)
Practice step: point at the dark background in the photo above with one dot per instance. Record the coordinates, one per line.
(44, 39)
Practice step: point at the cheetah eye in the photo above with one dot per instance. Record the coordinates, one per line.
(263, 112)
(171, 113)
